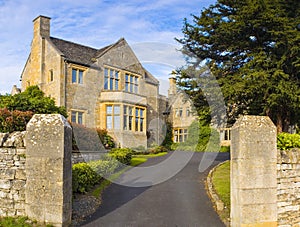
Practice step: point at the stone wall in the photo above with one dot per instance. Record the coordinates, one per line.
(265, 182)
(288, 180)
(253, 172)
(86, 156)
(12, 174)
(36, 171)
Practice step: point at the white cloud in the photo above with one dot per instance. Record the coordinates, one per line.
(94, 23)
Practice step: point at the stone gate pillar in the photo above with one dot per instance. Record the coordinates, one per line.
(48, 194)
(253, 172)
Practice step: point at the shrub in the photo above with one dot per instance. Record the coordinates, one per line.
(139, 150)
(201, 137)
(174, 146)
(168, 141)
(225, 149)
(32, 99)
(17, 110)
(104, 167)
(106, 139)
(286, 141)
(123, 155)
(83, 177)
(157, 149)
(15, 120)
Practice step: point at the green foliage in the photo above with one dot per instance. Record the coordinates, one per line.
(15, 120)
(32, 99)
(251, 47)
(83, 177)
(221, 184)
(287, 141)
(139, 149)
(105, 166)
(17, 110)
(168, 141)
(106, 139)
(201, 137)
(135, 161)
(14, 222)
(123, 155)
(157, 149)
(225, 149)
(20, 221)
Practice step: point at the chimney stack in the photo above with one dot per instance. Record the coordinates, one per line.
(173, 89)
(41, 26)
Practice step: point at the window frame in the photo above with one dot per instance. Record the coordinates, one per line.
(77, 114)
(131, 83)
(134, 118)
(180, 135)
(113, 116)
(77, 78)
(51, 75)
(112, 79)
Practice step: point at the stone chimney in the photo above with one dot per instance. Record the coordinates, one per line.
(172, 89)
(41, 26)
(15, 90)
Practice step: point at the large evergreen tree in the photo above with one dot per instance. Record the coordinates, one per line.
(252, 47)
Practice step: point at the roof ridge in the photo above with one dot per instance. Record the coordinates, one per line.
(78, 44)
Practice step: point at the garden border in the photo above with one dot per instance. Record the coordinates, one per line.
(215, 199)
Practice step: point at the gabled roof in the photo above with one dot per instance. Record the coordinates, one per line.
(84, 55)
(76, 52)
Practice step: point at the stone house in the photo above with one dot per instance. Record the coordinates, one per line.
(104, 88)
(180, 111)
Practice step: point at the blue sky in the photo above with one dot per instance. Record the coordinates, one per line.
(148, 26)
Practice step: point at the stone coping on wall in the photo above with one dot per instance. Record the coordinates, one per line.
(14, 139)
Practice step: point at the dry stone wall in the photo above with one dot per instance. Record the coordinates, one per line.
(36, 173)
(265, 182)
(288, 180)
(12, 174)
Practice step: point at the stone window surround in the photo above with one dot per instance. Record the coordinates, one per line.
(78, 69)
(180, 135)
(51, 75)
(111, 79)
(122, 80)
(134, 118)
(77, 112)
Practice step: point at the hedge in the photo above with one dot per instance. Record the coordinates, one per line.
(123, 155)
(15, 120)
(286, 141)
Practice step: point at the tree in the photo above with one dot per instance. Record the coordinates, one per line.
(17, 110)
(32, 99)
(252, 47)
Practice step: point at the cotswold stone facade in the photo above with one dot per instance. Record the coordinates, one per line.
(103, 88)
(180, 111)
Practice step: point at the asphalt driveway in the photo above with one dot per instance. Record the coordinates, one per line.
(179, 201)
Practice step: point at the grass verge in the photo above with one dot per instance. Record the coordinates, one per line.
(149, 155)
(221, 184)
(19, 222)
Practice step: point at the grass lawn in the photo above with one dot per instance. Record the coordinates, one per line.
(149, 155)
(221, 183)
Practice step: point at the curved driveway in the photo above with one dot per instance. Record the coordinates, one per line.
(180, 201)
